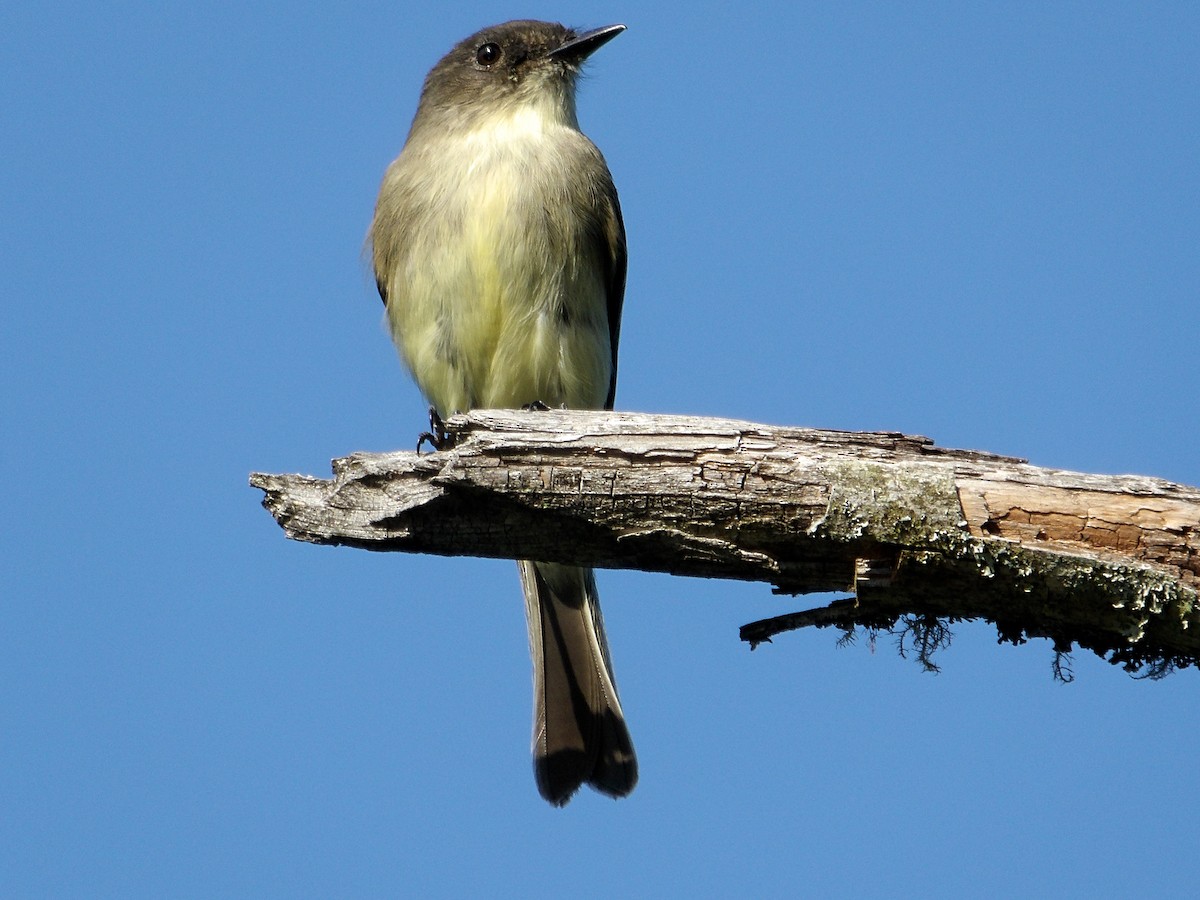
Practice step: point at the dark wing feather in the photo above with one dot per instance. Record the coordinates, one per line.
(614, 238)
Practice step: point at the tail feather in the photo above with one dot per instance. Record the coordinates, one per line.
(579, 731)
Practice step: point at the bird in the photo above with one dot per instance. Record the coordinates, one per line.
(499, 252)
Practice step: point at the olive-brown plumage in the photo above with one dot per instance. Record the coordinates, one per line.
(499, 252)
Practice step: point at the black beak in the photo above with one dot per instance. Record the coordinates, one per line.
(581, 47)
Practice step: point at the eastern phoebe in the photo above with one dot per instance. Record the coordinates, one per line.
(499, 253)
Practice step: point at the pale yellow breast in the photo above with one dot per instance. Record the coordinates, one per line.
(498, 301)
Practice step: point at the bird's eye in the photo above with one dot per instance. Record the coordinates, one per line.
(488, 55)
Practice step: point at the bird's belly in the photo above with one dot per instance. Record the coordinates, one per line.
(508, 306)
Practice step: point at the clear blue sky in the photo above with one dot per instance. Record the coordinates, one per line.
(978, 222)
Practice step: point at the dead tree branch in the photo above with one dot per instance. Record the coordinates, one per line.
(1110, 563)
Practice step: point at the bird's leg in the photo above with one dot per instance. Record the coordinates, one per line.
(535, 406)
(437, 437)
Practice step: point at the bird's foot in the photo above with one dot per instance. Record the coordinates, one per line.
(437, 436)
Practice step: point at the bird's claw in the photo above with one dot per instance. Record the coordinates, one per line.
(437, 437)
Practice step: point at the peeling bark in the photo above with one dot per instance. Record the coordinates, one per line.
(1111, 563)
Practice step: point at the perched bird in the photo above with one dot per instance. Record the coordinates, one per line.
(499, 252)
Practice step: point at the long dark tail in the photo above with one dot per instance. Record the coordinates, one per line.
(579, 732)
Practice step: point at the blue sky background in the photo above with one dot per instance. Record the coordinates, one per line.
(978, 222)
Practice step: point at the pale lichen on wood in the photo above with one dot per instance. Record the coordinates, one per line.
(1111, 563)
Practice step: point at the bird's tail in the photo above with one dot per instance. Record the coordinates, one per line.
(579, 732)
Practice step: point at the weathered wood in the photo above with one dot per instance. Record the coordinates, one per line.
(1111, 563)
